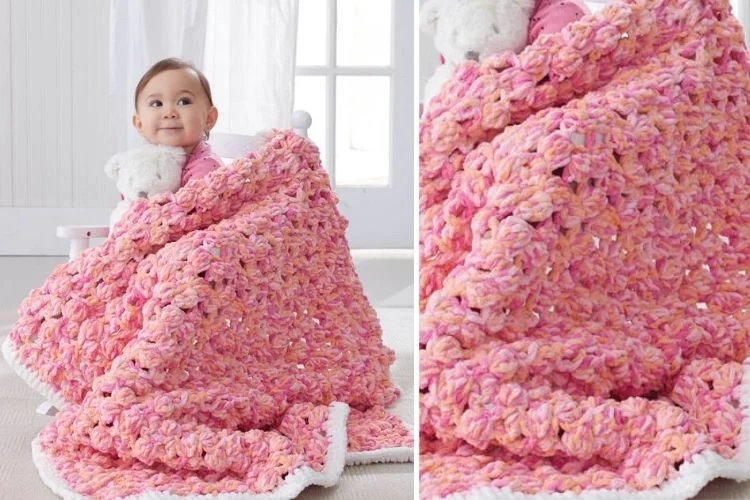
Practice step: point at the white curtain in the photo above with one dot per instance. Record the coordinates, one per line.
(246, 49)
(250, 59)
(141, 33)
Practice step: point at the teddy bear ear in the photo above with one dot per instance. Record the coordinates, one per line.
(428, 16)
(112, 168)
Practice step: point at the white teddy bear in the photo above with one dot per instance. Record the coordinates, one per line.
(143, 172)
(472, 29)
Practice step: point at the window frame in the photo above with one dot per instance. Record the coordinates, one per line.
(380, 215)
(331, 71)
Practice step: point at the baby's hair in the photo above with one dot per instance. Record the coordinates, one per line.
(166, 65)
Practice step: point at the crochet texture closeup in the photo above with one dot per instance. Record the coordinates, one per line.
(584, 251)
(213, 344)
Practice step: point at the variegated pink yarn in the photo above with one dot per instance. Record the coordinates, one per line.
(585, 250)
(204, 347)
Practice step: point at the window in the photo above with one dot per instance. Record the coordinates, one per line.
(354, 75)
(344, 73)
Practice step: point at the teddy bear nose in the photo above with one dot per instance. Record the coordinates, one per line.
(142, 194)
(472, 54)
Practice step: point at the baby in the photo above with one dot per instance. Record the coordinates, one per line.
(173, 107)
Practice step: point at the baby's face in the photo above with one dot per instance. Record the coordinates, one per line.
(173, 110)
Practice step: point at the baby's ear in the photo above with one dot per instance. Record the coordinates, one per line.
(112, 168)
(428, 16)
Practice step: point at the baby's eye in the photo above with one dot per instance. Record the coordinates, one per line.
(183, 101)
(155, 103)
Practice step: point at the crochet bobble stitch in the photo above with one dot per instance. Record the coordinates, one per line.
(197, 350)
(583, 253)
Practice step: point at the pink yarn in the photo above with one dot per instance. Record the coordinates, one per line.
(198, 349)
(584, 251)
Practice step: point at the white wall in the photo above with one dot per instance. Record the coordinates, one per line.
(56, 130)
(53, 119)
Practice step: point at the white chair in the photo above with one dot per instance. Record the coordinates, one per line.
(225, 145)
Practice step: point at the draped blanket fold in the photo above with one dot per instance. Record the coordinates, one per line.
(584, 245)
(217, 343)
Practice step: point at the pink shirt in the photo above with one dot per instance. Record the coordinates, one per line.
(200, 162)
(552, 16)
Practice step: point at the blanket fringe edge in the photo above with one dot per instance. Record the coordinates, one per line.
(703, 468)
(290, 488)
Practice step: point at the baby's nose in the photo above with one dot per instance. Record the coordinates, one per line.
(169, 112)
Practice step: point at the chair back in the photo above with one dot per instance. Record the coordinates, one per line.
(231, 146)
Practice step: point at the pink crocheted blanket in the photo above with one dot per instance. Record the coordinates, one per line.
(585, 248)
(218, 342)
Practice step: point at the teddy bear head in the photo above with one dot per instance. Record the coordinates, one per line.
(475, 29)
(147, 170)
